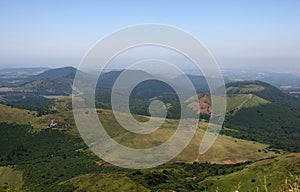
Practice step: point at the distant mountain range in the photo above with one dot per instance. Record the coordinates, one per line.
(58, 82)
(20, 72)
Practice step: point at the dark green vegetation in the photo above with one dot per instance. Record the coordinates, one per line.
(45, 158)
(269, 123)
(27, 101)
(181, 176)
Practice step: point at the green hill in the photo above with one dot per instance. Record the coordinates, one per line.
(231, 148)
(259, 120)
(260, 112)
(263, 90)
(279, 174)
(64, 72)
(59, 86)
(238, 101)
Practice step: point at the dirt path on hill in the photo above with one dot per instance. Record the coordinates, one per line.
(249, 97)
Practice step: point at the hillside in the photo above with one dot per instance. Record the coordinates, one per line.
(64, 72)
(256, 113)
(278, 174)
(65, 119)
(58, 86)
(249, 116)
(51, 82)
(57, 159)
(263, 90)
(29, 92)
(49, 157)
(239, 101)
(104, 183)
(254, 118)
(27, 100)
(53, 160)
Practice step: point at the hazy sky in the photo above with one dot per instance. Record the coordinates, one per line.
(59, 33)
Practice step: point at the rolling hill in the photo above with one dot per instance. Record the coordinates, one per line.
(50, 158)
(65, 118)
(263, 90)
(258, 111)
(278, 174)
(51, 82)
(64, 72)
(59, 86)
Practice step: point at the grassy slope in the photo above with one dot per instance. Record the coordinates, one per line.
(224, 148)
(16, 115)
(104, 183)
(11, 178)
(244, 100)
(23, 116)
(247, 88)
(265, 122)
(263, 90)
(272, 174)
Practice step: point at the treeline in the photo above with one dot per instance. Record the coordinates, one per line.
(29, 101)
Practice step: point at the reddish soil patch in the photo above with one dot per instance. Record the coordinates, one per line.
(202, 107)
(228, 162)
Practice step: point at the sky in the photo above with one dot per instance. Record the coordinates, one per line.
(238, 33)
